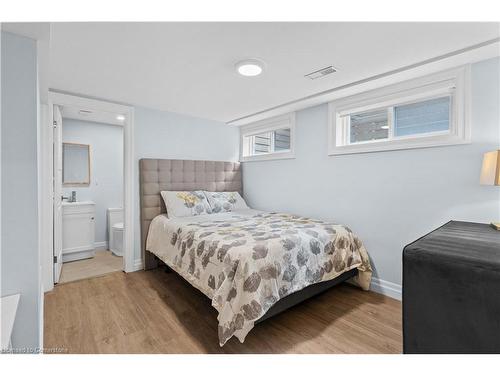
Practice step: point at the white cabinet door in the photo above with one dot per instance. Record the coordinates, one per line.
(78, 232)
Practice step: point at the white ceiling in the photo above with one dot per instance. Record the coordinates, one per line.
(189, 67)
(86, 114)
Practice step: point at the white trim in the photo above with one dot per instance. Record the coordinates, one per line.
(78, 249)
(128, 201)
(77, 254)
(274, 123)
(482, 51)
(453, 83)
(103, 245)
(272, 156)
(389, 96)
(41, 304)
(47, 173)
(386, 288)
(45, 197)
(138, 265)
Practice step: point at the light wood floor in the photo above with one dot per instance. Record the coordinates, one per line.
(102, 263)
(158, 312)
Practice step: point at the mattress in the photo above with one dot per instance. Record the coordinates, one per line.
(247, 260)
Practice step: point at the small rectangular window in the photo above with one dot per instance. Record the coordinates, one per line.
(269, 139)
(425, 112)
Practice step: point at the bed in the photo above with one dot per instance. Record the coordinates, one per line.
(251, 264)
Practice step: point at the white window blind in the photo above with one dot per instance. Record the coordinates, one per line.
(422, 117)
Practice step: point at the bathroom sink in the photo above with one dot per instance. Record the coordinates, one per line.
(82, 203)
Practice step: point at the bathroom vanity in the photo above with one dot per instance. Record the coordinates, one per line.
(78, 220)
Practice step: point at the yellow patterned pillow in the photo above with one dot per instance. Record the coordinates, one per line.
(186, 203)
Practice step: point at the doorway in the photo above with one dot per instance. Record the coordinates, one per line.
(91, 198)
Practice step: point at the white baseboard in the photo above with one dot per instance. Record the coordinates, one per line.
(137, 265)
(386, 288)
(78, 255)
(101, 245)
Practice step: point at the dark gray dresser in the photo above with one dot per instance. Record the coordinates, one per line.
(451, 290)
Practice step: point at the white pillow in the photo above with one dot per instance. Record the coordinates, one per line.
(225, 201)
(186, 203)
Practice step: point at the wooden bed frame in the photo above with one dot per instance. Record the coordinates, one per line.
(157, 175)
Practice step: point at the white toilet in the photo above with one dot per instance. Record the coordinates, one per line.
(115, 230)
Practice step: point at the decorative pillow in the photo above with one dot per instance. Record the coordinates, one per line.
(225, 201)
(186, 203)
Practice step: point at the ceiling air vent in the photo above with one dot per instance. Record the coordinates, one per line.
(321, 73)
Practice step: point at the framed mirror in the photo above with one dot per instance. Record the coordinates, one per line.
(76, 164)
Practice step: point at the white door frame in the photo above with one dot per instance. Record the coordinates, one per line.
(56, 98)
(57, 186)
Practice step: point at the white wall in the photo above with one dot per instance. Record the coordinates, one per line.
(106, 176)
(169, 135)
(388, 198)
(20, 255)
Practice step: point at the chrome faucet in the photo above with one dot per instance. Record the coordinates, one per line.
(70, 199)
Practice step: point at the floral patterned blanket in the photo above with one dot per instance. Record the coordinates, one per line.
(247, 260)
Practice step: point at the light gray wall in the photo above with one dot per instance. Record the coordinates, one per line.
(20, 256)
(106, 175)
(167, 135)
(388, 198)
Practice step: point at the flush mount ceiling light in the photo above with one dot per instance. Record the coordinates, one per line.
(250, 67)
(120, 117)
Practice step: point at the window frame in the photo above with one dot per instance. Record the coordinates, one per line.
(268, 125)
(453, 83)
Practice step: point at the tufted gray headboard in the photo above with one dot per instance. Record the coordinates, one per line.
(157, 175)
